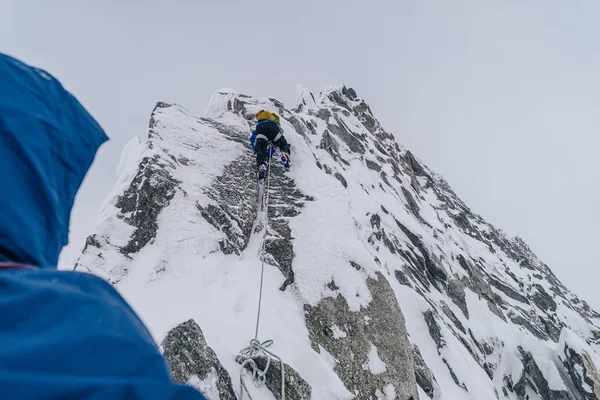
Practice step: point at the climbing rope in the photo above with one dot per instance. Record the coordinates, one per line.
(256, 348)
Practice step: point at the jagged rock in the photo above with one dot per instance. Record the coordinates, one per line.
(193, 361)
(456, 291)
(507, 290)
(381, 325)
(495, 310)
(453, 318)
(453, 375)
(542, 299)
(285, 202)
(533, 378)
(489, 369)
(331, 145)
(373, 165)
(582, 371)
(414, 169)
(401, 277)
(341, 178)
(433, 271)
(354, 144)
(296, 388)
(519, 320)
(423, 374)
(234, 210)
(412, 204)
(434, 329)
(552, 329)
(148, 194)
(375, 221)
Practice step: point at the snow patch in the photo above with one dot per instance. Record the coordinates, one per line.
(207, 386)
(374, 363)
(337, 332)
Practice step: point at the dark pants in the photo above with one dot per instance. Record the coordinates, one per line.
(270, 132)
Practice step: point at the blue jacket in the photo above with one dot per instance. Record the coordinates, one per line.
(253, 136)
(63, 335)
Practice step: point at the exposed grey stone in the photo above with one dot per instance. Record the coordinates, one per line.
(453, 375)
(331, 145)
(341, 178)
(352, 141)
(507, 290)
(234, 205)
(351, 93)
(489, 369)
(191, 359)
(285, 202)
(296, 388)
(552, 329)
(160, 104)
(456, 292)
(584, 375)
(453, 318)
(542, 299)
(434, 329)
(337, 98)
(380, 324)
(423, 374)
(533, 377)
(433, 271)
(412, 204)
(332, 286)
(323, 114)
(375, 221)
(373, 165)
(519, 320)
(401, 277)
(494, 309)
(150, 191)
(380, 148)
(478, 283)
(384, 178)
(298, 125)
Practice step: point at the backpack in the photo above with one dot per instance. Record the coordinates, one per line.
(264, 115)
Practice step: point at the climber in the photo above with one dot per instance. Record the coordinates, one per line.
(64, 335)
(268, 130)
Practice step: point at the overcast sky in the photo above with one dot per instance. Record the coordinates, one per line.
(500, 97)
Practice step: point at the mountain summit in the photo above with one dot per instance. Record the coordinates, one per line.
(379, 282)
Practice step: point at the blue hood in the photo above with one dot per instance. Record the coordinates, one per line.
(47, 143)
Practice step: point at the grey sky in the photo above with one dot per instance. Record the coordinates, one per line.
(501, 98)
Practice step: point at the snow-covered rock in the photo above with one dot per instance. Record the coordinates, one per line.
(194, 362)
(380, 283)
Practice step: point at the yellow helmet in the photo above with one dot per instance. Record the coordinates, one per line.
(263, 115)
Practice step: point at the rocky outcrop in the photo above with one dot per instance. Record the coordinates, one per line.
(533, 378)
(192, 361)
(582, 370)
(234, 206)
(285, 202)
(456, 292)
(296, 388)
(370, 347)
(423, 374)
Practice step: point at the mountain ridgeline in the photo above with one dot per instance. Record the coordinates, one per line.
(380, 283)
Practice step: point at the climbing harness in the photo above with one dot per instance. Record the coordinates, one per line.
(256, 348)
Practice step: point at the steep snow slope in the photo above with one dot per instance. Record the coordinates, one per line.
(380, 282)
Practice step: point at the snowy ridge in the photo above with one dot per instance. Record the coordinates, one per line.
(381, 282)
